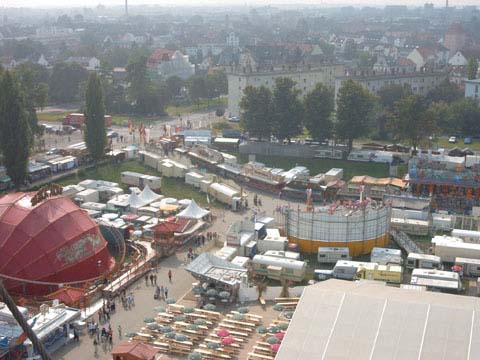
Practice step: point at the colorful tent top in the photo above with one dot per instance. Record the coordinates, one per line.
(68, 295)
(53, 241)
(193, 211)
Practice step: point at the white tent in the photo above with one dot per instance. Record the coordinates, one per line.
(193, 211)
(135, 201)
(148, 196)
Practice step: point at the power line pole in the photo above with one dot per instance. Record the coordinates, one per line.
(37, 345)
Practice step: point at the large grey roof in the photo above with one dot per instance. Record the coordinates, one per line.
(344, 320)
(215, 268)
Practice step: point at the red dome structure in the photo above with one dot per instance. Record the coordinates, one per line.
(48, 243)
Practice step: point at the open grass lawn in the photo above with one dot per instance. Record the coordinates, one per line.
(173, 110)
(171, 187)
(316, 166)
(50, 116)
(444, 144)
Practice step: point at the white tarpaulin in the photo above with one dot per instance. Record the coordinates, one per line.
(193, 211)
(148, 196)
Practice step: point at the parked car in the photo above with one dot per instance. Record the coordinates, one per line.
(112, 135)
(452, 140)
(52, 151)
(234, 119)
(467, 140)
(68, 129)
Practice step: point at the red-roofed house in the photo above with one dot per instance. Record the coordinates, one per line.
(168, 63)
(433, 57)
(69, 296)
(134, 351)
(460, 58)
(455, 38)
(175, 232)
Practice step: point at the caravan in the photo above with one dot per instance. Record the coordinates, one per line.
(423, 261)
(385, 256)
(333, 254)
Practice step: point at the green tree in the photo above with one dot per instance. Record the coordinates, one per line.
(445, 91)
(197, 89)
(411, 120)
(472, 68)
(257, 109)
(350, 49)
(464, 116)
(319, 106)
(442, 115)
(33, 80)
(64, 83)
(174, 85)
(387, 97)
(95, 135)
(15, 136)
(287, 109)
(354, 112)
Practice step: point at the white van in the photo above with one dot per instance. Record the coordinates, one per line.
(423, 261)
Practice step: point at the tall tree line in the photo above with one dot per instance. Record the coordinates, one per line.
(395, 113)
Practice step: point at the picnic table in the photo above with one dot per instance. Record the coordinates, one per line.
(235, 327)
(237, 333)
(254, 316)
(239, 323)
(252, 319)
(254, 356)
(207, 354)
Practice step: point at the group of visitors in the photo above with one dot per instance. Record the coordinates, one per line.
(128, 301)
(103, 336)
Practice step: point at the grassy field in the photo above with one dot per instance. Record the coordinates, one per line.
(170, 187)
(444, 144)
(50, 116)
(316, 166)
(202, 105)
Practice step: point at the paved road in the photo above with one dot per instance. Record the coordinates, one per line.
(198, 120)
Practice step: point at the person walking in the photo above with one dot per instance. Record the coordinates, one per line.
(151, 279)
(166, 293)
(170, 275)
(95, 346)
(146, 279)
(155, 279)
(162, 292)
(119, 331)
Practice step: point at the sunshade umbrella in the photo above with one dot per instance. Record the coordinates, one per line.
(188, 310)
(282, 326)
(192, 327)
(279, 336)
(160, 309)
(224, 294)
(194, 356)
(180, 318)
(212, 292)
(130, 334)
(223, 333)
(213, 345)
(288, 314)
(262, 329)
(272, 340)
(210, 307)
(153, 326)
(180, 337)
(238, 317)
(167, 329)
(273, 330)
(278, 307)
(275, 347)
(170, 335)
(199, 322)
(149, 320)
(197, 289)
(243, 310)
(171, 301)
(228, 340)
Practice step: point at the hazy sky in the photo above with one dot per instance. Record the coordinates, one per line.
(89, 3)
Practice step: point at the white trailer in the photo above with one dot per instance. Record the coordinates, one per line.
(468, 236)
(423, 261)
(272, 243)
(436, 280)
(448, 250)
(227, 253)
(223, 193)
(347, 270)
(385, 256)
(87, 195)
(194, 179)
(242, 261)
(283, 254)
(333, 254)
(470, 267)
